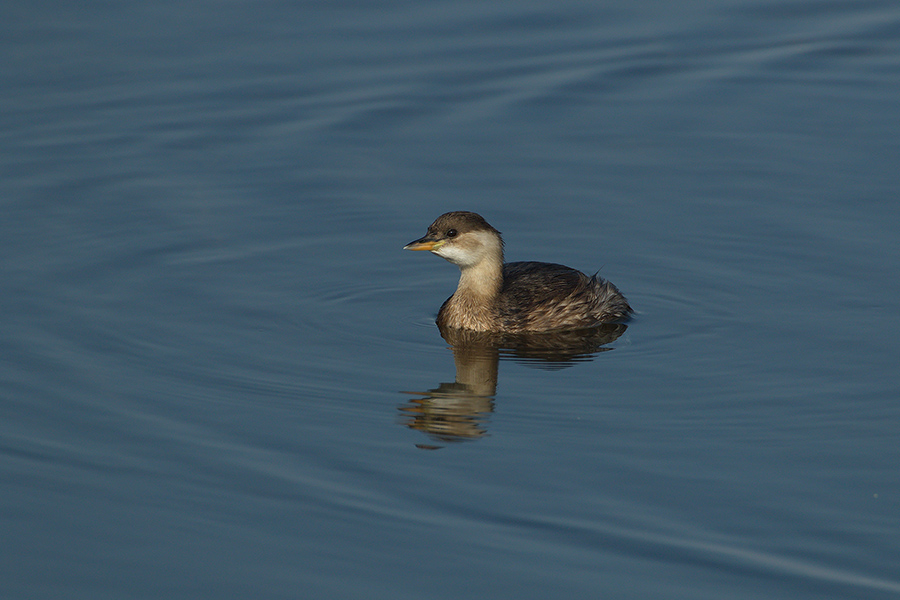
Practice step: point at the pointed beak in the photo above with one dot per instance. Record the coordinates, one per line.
(424, 243)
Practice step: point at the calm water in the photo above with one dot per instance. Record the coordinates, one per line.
(221, 376)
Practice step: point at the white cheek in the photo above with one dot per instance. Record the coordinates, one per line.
(454, 255)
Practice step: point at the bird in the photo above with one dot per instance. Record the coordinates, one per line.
(516, 297)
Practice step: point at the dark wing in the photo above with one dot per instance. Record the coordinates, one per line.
(531, 283)
(546, 296)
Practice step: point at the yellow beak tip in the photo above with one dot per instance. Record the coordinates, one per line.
(419, 246)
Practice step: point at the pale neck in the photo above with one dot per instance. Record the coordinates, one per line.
(483, 279)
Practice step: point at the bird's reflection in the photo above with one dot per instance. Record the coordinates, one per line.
(458, 411)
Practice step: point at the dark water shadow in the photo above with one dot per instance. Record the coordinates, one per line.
(459, 411)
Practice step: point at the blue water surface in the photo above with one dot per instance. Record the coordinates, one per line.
(220, 374)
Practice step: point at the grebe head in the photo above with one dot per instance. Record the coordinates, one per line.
(463, 238)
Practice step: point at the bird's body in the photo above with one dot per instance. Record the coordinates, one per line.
(513, 297)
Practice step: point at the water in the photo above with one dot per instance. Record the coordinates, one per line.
(221, 376)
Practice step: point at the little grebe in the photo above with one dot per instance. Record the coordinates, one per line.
(513, 297)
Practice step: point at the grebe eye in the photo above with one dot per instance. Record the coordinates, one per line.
(451, 233)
